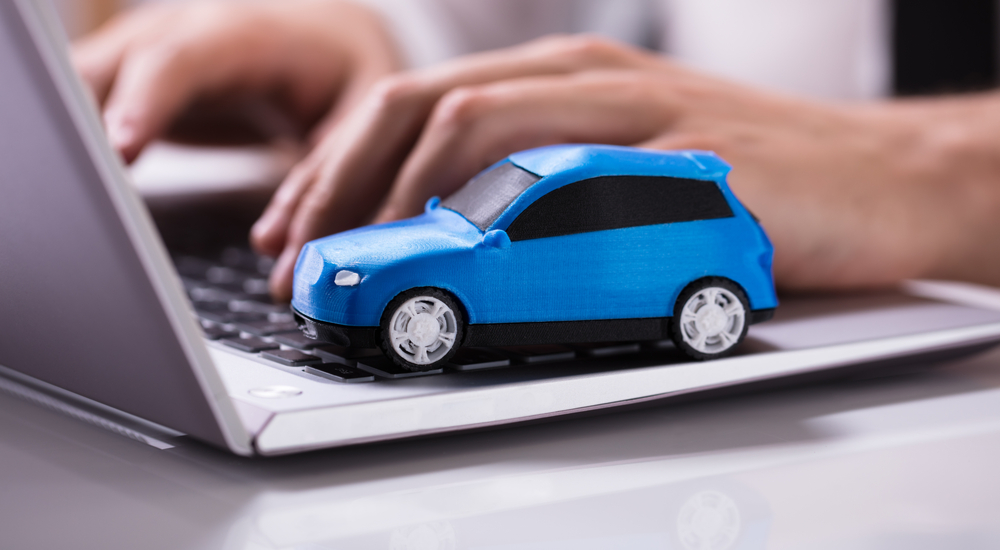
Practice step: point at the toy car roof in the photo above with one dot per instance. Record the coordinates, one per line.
(600, 160)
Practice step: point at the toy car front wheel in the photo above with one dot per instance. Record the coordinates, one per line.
(710, 318)
(422, 328)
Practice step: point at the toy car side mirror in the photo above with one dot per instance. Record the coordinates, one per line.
(432, 203)
(496, 238)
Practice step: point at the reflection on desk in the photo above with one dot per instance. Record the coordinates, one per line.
(903, 461)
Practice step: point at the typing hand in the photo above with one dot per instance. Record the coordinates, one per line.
(381, 152)
(311, 58)
(853, 195)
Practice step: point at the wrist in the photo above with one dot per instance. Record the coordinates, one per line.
(954, 164)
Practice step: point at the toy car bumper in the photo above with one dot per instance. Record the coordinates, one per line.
(341, 335)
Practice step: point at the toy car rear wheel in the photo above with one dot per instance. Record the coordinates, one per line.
(422, 328)
(711, 317)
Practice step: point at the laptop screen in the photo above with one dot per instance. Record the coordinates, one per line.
(77, 309)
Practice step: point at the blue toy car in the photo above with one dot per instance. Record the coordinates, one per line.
(560, 244)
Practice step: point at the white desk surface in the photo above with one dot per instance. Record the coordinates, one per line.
(904, 462)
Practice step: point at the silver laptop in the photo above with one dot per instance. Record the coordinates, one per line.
(96, 320)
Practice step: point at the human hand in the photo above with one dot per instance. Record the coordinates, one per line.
(853, 196)
(146, 66)
(344, 181)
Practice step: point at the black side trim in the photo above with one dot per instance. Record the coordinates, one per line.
(518, 334)
(761, 315)
(567, 332)
(341, 335)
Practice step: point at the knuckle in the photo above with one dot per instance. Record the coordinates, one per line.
(585, 47)
(164, 55)
(396, 89)
(461, 107)
(314, 205)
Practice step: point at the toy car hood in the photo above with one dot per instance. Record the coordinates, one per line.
(377, 246)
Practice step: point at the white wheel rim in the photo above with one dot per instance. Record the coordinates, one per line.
(423, 330)
(712, 320)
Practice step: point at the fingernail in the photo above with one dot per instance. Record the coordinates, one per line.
(260, 228)
(265, 223)
(283, 273)
(265, 234)
(121, 132)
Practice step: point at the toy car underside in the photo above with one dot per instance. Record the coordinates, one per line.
(518, 334)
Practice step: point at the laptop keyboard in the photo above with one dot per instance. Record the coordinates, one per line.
(230, 297)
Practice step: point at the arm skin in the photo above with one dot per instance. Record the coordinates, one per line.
(313, 59)
(854, 195)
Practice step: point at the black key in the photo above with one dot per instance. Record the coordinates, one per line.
(265, 328)
(249, 345)
(345, 356)
(281, 317)
(256, 287)
(540, 354)
(246, 261)
(340, 373)
(297, 340)
(264, 265)
(254, 306)
(190, 284)
(382, 366)
(218, 275)
(467, 359)
(224, 316)
(215, 333)
(189, 266)
(240, 258)
(211, 306)
(290, 357)
(209, 294)
(608, 349)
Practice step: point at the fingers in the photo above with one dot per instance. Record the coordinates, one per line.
(142, 77)
(371, 143)
(269, 234)
(152, 86)
(151, 64)
(474, 127)
(350, 172)
(97, 56)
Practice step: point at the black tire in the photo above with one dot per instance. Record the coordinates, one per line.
(406, 353)
(684, 331)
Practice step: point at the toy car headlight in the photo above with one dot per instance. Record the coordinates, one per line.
(346, 278)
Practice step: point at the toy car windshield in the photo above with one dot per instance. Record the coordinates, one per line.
(485, 197)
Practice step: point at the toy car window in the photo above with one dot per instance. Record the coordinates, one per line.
(614, 202)
(487, 195)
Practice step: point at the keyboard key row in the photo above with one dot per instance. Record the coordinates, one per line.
(284, 344)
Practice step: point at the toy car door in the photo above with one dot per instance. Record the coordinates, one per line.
(611, 247)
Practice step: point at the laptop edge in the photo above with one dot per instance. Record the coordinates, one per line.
(50, 41)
